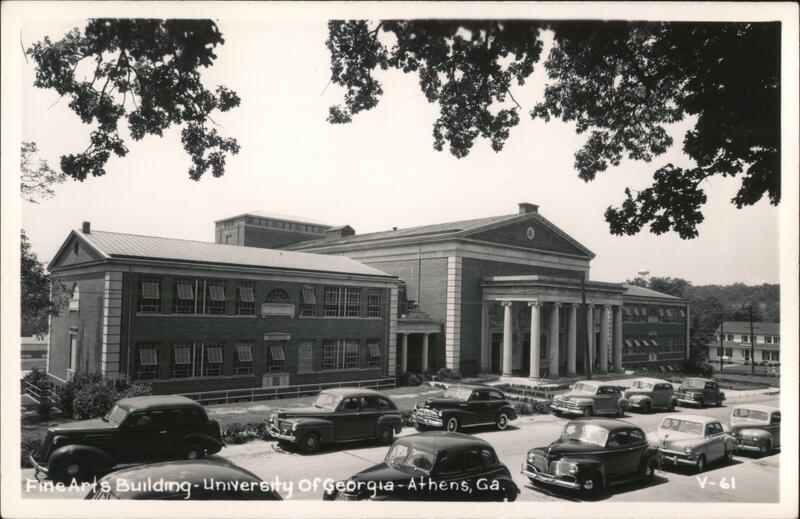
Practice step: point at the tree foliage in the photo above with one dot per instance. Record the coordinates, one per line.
(147, 71)
(36, 303)
(36, 176)
(621, 83)
(667, 285)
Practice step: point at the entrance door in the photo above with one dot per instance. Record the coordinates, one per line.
(497, 353)
(526, 355)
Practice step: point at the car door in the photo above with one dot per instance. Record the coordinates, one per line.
(348, 419)
(496, 401)
(620, 456)
(605, 399)
(481, 407)
(447, 474)
(775, 428)
(715, 441)
(660, 395)
(148, 436)
(710, 392)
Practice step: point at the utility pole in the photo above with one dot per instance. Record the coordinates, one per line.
(752, 344)
(721, 344)
(587, 355)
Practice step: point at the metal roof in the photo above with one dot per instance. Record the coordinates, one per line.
(275, 216)
(118, 245)
(637, 291)
(759, 328)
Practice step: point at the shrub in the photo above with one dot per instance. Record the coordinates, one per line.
(37, 378)
(239, 432)
(96, 398)
(413, 380)
(448, 374)
(523, 408)
(67, 392)
(44, 409)
(410, 379)
(28, 447)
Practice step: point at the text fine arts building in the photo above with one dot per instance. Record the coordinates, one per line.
(282, 301)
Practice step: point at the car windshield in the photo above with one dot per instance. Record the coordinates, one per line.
(580, 386)
(643, 385)
(697, 383)
(408, 457)
(116, 415)
(457, 393)
(326, 401)
(585, 433)
(751, 414)
(684, 426)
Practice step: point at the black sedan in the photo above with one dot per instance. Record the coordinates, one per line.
(202, 480)
(432, 466)
(465, 406)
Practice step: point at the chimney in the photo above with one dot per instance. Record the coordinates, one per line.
(87, 227)
(525, 208)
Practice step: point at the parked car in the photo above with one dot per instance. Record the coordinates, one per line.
(342, 414)
(694, 440)
(593, 453)
(465, 406)
(647, 394)
(699, 392)
(432, 466)
(589, 398)
(756, 427)
(136, 430)
(200, 480)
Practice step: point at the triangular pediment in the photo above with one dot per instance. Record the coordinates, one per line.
(74, 251)
(531, 232)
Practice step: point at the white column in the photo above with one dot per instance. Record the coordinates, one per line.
(535, 334)
(507, 339)
(425, 352)
(618, 338)
(590, 336)
(572, 336)
(486, 345)
(552, 349)
(603, 353)
(404, 353)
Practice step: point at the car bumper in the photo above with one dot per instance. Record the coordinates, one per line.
(566, 409)
(548, 479)
(677, 458)
(37, 467)
(688, 401)
(427, 421)
(752, 447)
(278, 435)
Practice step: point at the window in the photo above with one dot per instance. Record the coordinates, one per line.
(342, 302)
(146, 362)
(374, 303)
(340, 354)
(215, 297)
(305, 361)
(212, 359)
(243, 358)
(729, 337)
(776, 418)
(729, 352)
(184, 297)
(472, 460)
(73, 350)
(488, 457)
(776, 355)
(636, 436)
(75, 299)
(277, 296)
(181, 360)
(768, 339)
(745, 338)
(746, 354)
(276, 357)
(308, 302)
(246, 304)
(618, 439)
(149, 300)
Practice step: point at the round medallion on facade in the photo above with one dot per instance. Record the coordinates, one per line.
(530, 233)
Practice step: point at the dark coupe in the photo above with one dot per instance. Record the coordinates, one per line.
(465, 406)
(591, 454)
(343, 414)
(699, 392)
(432, 466)
(136, 430)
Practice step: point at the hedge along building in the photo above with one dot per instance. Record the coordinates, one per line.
(196, 316)
(514, 297)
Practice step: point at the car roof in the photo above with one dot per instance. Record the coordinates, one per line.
(473, 387)
(436, 441)
(178, 472)
(757, 407)
(351, 391)
(693, 418)
(699, 378)
(610, 424)
(650, 380)
(144, 403)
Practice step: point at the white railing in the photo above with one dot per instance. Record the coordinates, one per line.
(37, 392)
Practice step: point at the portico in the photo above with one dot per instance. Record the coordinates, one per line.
(572, 326)
(417, 332)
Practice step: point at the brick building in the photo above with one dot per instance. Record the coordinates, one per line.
(739, 342)
(196, 316)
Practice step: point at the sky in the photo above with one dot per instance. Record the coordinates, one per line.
(376, 173)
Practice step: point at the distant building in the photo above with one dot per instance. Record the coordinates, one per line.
(33, 353)
(267, 230)
(737, 342)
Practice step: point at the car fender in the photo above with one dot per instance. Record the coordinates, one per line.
(458, 413)
(622, 403)
(651, 452)
(98, 458)
(395, 420)
(721, 396)
(324, 428)
(673, 400)
(587, 465)
(509, 410)
(760, 433)
(211, 444)
(583, 401)
(508, 482)
(641, 399)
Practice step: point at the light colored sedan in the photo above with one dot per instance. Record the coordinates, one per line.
(694, 440)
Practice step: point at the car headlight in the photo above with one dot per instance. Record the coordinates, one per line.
(572, 468)
(438, 412)
(688, 450)
(530, 457)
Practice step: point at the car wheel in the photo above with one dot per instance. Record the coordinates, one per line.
(502, 421)
(557, 412)
(192, 451)
(700, 466)
(620, 411)
(671, 407)
(650, 471)
(452, 424)
(765, 447)
(386, 435)
(508, 492)
(309, 442)
(419, 427)
(729, 457)
(71, 469)
(719, 403)
(701, 403)
(587, 412)
(591, 484)
(646, 407)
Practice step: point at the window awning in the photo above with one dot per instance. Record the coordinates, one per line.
(653, 342)
(185, 291)
(661, 312)
(628, 343)
(214, 355)
(635, 310)
(309, 296)
(276, 352)
(149, 290)
(217, 292)
(351, 347)
(683, 312)
(244, 352)
(374, 350)
(148, 357)
(183, 355)
(636, 342)
(246, 295)
(627, 311)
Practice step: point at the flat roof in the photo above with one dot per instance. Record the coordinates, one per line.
(275, 216)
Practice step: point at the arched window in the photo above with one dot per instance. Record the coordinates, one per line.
(277, 296)
(75, 300)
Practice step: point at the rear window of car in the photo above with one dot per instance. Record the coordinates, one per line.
(750, 413)
(685, 426)
(643, 385)
(584, 387)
